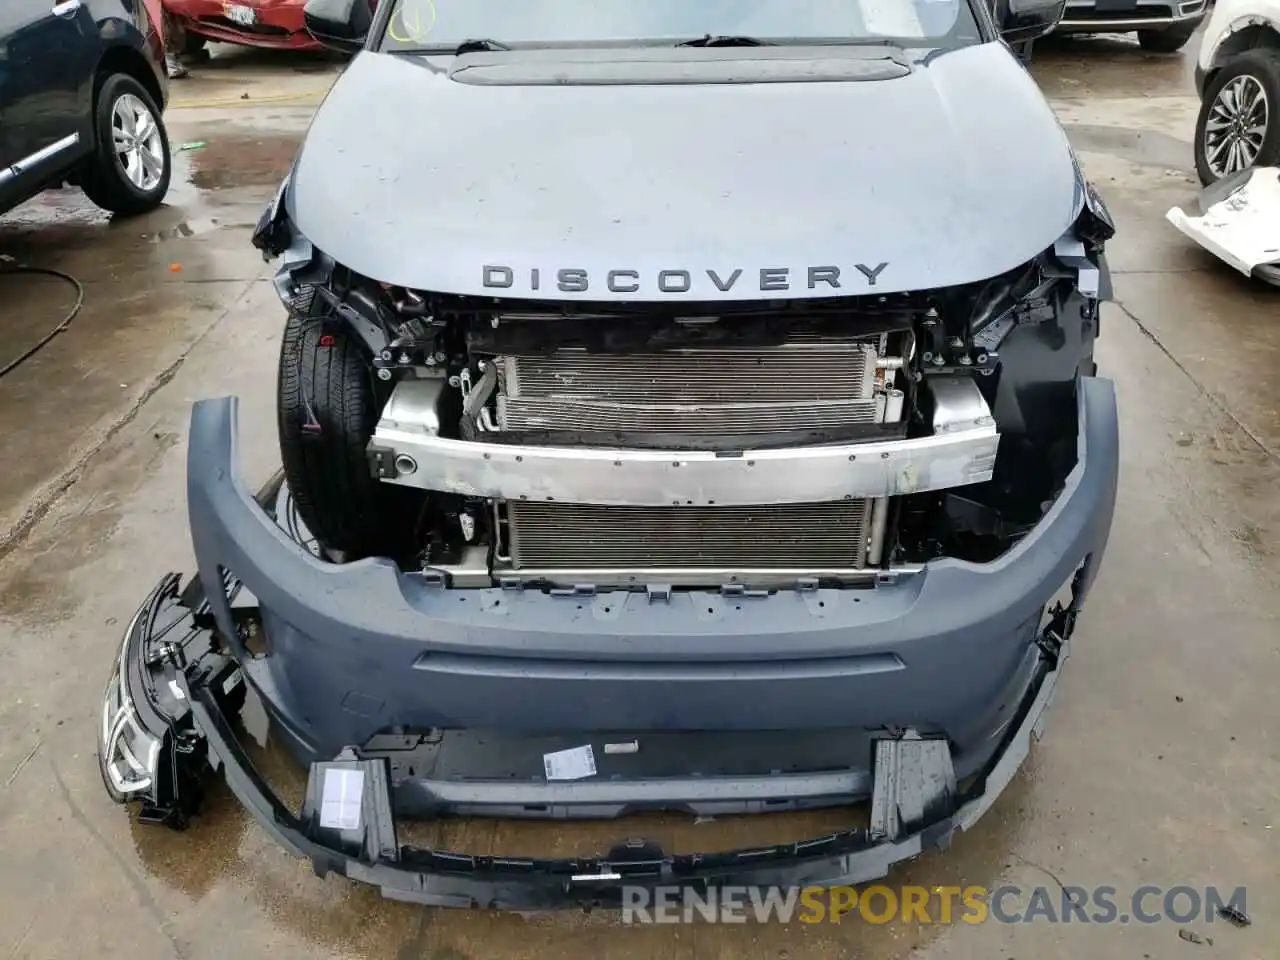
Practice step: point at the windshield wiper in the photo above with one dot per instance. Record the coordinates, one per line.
(724, 41)
(479, 46)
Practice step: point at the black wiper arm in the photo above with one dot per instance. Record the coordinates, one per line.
(479, 46)
(724, 41)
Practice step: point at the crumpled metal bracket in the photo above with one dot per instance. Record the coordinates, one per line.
(1071, 252)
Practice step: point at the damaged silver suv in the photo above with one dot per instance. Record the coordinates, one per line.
(682, 406)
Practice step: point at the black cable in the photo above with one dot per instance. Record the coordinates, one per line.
(66, 322)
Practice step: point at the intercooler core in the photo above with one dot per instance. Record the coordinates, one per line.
(809, 383)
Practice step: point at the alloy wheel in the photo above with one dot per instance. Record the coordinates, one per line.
(1236, 126)
(137, 143)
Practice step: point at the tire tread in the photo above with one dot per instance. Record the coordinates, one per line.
(341, 502)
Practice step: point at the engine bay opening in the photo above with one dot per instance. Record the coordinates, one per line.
(488, 426)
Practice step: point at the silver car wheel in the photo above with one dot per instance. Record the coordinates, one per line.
(136, 142)
(1236, 126)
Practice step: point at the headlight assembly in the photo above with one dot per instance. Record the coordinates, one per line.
(128, 754)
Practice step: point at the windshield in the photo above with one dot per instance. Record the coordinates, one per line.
(444, 24)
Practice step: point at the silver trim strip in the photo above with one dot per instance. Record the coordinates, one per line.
(41, 155)
(961, 451)
(1121, 26)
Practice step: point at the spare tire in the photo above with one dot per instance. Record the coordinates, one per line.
(328, 401)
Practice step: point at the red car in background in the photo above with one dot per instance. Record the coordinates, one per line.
(251, 23)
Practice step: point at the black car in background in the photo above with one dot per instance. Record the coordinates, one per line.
(82, 96)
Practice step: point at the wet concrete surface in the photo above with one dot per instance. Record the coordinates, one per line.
(1160, 764)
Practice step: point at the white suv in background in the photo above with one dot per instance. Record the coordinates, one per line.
(1238, 79)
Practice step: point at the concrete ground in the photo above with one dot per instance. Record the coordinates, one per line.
(1161, 763)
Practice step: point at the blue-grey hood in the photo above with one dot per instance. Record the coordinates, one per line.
(952, 172)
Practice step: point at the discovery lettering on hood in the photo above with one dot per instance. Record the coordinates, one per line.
(679, 281)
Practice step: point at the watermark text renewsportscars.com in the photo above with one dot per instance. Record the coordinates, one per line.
(1007, 904)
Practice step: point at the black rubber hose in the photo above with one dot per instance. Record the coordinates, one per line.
(66, 321)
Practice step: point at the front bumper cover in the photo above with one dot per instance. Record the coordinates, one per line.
(362, 648)
(179, 683)
(182, 690)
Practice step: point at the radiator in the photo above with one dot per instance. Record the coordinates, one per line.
(805, 384)
(567, 535)
(708, 391)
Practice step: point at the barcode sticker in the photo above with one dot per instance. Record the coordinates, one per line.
(572, 764)
(341, 799)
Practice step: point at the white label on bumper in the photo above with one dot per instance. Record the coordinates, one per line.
(341, 798)
(574, 764)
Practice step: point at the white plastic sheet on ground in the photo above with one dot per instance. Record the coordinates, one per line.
(1239, 222)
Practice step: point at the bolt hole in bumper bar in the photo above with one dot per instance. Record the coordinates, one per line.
(178, 681)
